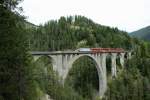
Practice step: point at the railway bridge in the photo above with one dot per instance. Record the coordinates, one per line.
(62, 62)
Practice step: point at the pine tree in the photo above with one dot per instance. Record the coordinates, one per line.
(14, 60)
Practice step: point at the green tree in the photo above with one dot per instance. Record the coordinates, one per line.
(14, 58)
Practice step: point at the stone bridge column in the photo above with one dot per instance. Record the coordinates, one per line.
(57, 64)
(103, 86)
(113, 64)
(129, 55)
(122, 59)
(60, 65)
(65, 59)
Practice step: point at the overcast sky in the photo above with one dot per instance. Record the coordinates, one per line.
(127, 15)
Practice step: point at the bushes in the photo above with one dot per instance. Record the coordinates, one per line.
(131, 84)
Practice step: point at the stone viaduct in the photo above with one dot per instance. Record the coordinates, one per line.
(63, 60)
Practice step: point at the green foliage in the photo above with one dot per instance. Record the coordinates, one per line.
(132, 83)
(21, 79)
(14, 59)
(16, 81)
(70, 32)
(83, 77)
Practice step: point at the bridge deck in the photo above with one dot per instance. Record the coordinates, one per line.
(65, 52)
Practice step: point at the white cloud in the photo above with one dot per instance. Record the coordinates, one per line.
(128, 15)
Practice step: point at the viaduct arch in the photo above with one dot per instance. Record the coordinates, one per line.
(62, 62)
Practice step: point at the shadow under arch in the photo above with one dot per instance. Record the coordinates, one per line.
(108, 65)
(114, 64)
(119, 66)
(101, 80)
(126, 56)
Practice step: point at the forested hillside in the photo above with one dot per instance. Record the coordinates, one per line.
(77, 31)
(21, 78)
(143, 33)
(74, 32)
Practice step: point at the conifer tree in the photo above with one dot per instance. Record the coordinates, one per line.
(14, 60)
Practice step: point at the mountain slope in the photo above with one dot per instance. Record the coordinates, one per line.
(143, 33)
(74, 32)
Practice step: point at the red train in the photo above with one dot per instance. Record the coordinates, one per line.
(96, 50)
